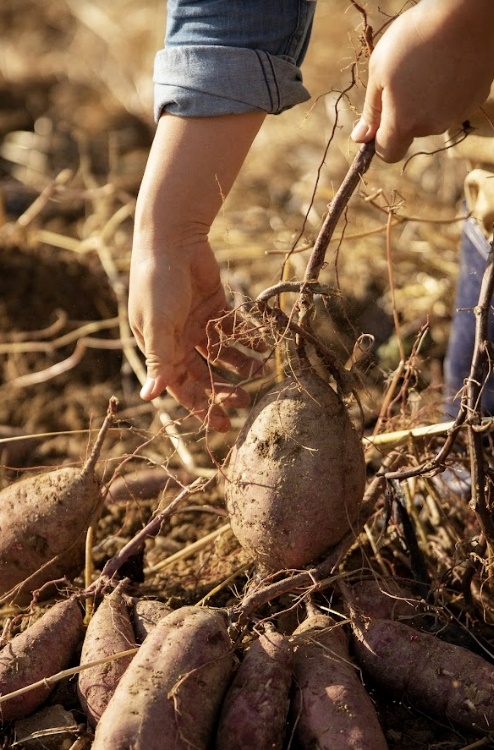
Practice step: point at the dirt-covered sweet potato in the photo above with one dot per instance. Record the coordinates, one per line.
(43, 523)
(140, 485)
(169, 696)
(255, 709)
(441, 678)
(386, 599)
(109, 632)
(40, 651)
(331, 709)
(146, 613)
(38, 522)
(296, 476)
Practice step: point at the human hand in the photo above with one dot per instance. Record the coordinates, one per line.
(178, 311)
(432, 68)
(181, 322)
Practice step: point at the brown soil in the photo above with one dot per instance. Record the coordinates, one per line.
(75, 129)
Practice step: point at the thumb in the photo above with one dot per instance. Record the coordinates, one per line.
(153, 387)
(159, 370)
(366, 128)
(378, 121)
(158, 376)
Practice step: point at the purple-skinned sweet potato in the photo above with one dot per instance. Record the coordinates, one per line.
(331, 709)
(43, 649)
(41, 518)
(170, 695)
(255, 709)
(43, 523)
(296, 475)
(440, 678)
(109, 632)
(386, 599)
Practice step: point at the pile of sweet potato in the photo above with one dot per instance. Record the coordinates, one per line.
(196, 677)
(151, 678)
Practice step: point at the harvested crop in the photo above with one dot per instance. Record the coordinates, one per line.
(146, 614)
(145, 483)
(42, 518)
(297, 474)
(331, 709)
(255, 709)
(43, 524)
(391, 599)
(40, 651)
(109, 632)
(440, 678)
(385, 599)
(169, 697)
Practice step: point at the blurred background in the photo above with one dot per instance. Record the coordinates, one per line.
(75, 129)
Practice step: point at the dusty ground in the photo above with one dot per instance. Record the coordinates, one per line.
(75, 128)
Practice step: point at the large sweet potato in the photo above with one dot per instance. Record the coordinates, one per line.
(331, 709)
(109, 632)
(255, 709)
(41, 518)
(43, 523)
(296, 476)
(441, 678)
(169, 697)
(40, 651)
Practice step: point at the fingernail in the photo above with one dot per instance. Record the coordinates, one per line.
(147, 389)
(360, 131)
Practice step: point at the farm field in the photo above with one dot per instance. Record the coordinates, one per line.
(75, 130)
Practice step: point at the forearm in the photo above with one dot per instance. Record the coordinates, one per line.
(192, 166)
(175, 288)
(225, 65)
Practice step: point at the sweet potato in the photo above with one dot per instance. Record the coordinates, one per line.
(255, 709)
(170, 695)
(296, 475)
(42, 650)
(146, 483)
(109, 632)
(37, 523)
(391, 599)
(146, 614)
(140, 485)
(43, 524)
(331, 709)
(386, 599)
(440, 678)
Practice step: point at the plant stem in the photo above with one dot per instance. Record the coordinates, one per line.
(358, 168)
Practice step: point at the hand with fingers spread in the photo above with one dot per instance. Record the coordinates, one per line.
(179, 312)
(177, 305)
(430, 70)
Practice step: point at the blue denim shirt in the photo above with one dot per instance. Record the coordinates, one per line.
(232, 56)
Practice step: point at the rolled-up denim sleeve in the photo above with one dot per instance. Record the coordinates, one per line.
(232, 56)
